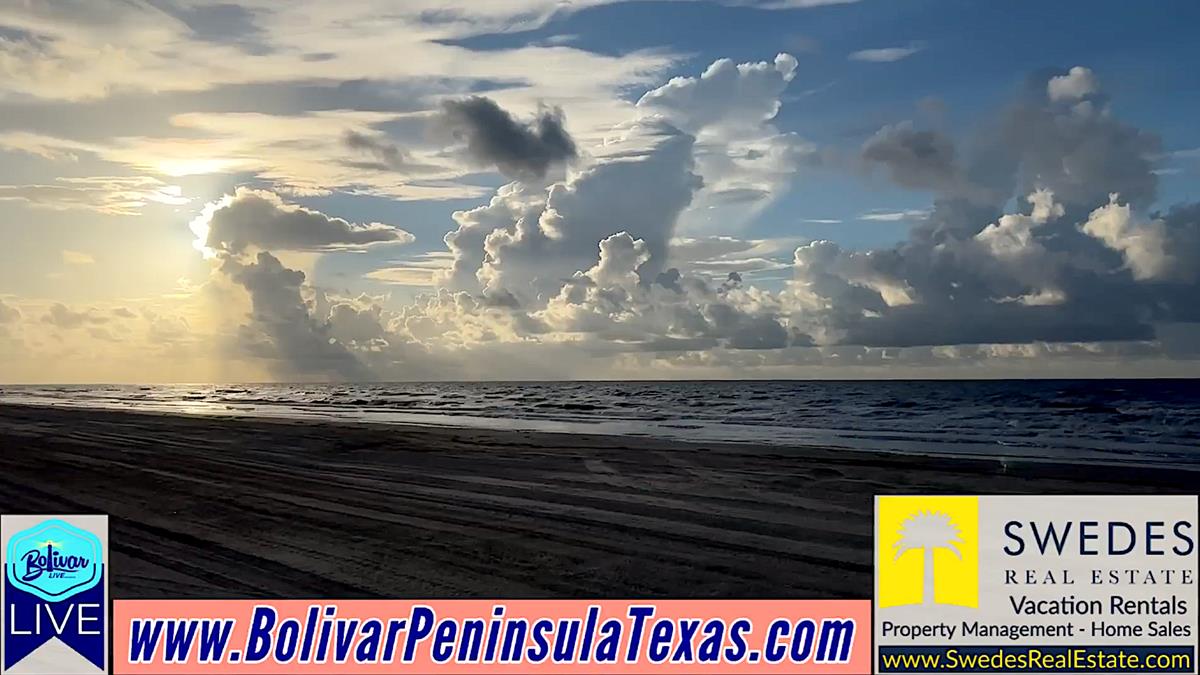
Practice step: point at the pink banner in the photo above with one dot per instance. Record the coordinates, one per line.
(492, 636)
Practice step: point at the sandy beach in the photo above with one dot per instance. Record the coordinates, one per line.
(214, 507)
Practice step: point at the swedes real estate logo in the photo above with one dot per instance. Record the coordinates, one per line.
(55, 594)
(1050, 584)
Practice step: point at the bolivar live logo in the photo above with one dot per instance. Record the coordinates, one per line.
(55, 594)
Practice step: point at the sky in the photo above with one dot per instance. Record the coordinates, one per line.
(196, 191)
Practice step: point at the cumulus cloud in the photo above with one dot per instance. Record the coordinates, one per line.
(582, 262)
(744, 161)
(494, 138)
(609, 302)
(1154, 248)
(1078, 83)
(1076, 149)
(729, 94)
(1052, 273)
(281, 328)
(577, 275)
(527, 240)
(260, 219)
(971, 274)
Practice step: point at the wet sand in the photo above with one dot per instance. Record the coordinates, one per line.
(213, 507)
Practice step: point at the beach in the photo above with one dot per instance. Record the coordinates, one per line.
(209, 506)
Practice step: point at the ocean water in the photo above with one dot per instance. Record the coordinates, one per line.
(1142, 421)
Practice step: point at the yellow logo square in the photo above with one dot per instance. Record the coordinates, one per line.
(927, 551)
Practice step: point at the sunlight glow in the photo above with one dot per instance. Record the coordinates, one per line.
(192, 167)
(200, 225)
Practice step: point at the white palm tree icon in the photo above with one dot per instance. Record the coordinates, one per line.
(928, 531)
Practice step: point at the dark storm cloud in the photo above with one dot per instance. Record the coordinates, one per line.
(281, 328)
(494, 137)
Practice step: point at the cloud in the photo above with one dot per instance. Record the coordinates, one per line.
(745, 163)
(1049, 274)
(607, 269)
(388, 156)
(424, 270)
(65, 51)
(528, 239)
(61, 316)
(77, 258)
(1077, 84)
(886, 54)
(494, 138)
(894, 216)
(281, 328)
(722, 256)
(110, 195)
(915, 158)
(1076, 149)
(1154, 248)
(610, 302)
(725, 94)
(8, 313)
(261, 219)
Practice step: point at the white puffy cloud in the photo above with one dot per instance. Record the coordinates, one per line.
(1143, 243)
(260, 219)
(726, 94)
(1013, 233)
(1078, 83)
(610, 302)
(529, 239)
(742, 159)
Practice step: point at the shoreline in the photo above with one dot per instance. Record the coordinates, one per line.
(992, 462)
(206, 506)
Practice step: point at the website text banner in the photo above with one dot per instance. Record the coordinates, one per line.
(1036, 584)
(492, 636)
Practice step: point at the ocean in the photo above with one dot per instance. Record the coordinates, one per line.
(1139, 421)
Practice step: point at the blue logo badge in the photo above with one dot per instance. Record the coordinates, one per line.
(54, 560)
